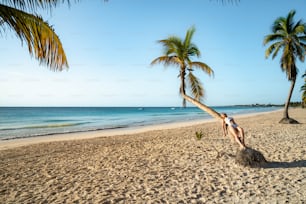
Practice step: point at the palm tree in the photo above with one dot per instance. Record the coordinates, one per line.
(289, 37)
(178, 52)
(30, 28)
(303, 89)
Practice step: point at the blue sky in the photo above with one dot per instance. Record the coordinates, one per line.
(110, 46)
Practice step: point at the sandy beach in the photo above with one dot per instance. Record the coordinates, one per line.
(161, 165)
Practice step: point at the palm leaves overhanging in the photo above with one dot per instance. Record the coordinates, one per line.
(42, 42)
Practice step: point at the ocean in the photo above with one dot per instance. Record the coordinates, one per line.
(22, 122)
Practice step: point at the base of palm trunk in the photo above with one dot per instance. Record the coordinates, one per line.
(250, 157)
(288, 121)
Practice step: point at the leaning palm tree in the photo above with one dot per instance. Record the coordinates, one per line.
(289, 37)
(42, 42)
(303, 89)
(178, 52)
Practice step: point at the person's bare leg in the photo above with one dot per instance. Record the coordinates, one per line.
(235, 133)
(241, 131)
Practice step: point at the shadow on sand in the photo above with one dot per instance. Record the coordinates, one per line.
(293, 164)
(254, 158)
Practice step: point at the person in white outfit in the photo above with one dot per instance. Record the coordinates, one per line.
(230, 126)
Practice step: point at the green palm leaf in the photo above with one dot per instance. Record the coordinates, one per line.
(202, 66)
(167, 61)
(40, 37)
(32, 5)
(196, 87)
(188, 37)
(271, 38)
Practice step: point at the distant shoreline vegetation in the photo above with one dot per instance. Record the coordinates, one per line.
(292, 104)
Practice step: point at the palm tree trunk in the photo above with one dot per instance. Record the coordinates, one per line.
(285, 114)
(182, 89)
(203, 107)
(286, 118)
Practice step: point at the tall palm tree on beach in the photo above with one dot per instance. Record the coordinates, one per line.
(178, 52)
(41, 40)
(289, 37)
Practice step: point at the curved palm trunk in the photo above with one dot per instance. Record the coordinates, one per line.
(286, 118)
(205, 108)
(182, 89)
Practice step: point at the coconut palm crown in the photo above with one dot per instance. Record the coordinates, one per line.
(178, 52)
(288, 37)
(42, 42)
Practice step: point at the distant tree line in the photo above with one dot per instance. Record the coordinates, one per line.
(292, 104)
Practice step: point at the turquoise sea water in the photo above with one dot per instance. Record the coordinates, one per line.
(17, 122)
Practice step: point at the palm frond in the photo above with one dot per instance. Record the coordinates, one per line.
(302, 38)
(278, 46)
(273, 37)
(289, 21)
(30, 5)
(299, 28)
(274, 48)
(167, 61)
(279, 25)
(203, 66)
(195, 86)
(299, 50)
(40, 37)
(193, 50)
(172, 45)
(188, 37)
